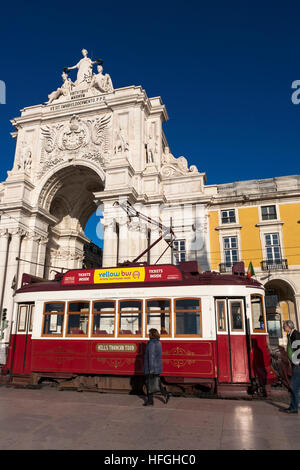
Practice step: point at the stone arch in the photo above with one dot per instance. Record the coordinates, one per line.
(281, 302)
(52, 180)
(67, 196)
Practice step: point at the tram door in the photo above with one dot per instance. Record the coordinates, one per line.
(233, 365)
(21, 355)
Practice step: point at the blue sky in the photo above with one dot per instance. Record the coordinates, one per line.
(223, 69)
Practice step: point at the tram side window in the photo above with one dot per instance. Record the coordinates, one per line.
(22, 317)
(236, 316)
(221, 315)
(188, 317)
(53, 318)
(31, 317)
(258, 317)
(158, 315)
(78, 318)
(104, 318)
(130, 321)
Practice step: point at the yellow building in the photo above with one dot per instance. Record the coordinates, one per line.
(258, 222)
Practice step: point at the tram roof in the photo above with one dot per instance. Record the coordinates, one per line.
(135, 276)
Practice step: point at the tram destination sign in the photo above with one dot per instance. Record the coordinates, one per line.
(122, 275)
(116, 347)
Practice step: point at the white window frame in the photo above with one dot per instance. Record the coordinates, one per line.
(228, 210)
(271, 228)
(233, 232)
(231, 235)
(177, 252)
(270, 221)
(268, 205)
(272, 246)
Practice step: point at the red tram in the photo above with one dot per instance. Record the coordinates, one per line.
(89, 328)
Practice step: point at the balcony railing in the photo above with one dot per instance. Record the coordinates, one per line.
(226, 267)
(274, 264)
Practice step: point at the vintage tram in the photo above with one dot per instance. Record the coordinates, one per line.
(88, 329)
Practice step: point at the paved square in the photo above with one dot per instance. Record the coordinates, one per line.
(47, 419)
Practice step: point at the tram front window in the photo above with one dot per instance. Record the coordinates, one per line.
(158, 316)
(188, 317)
(130, 322)
(258, 317)
(78, 318)
(53, 318)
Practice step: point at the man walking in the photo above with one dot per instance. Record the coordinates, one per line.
(293, 352)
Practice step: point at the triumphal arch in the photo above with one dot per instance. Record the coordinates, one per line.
(87, 146)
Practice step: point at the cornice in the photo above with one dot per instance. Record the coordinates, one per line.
(267, 223)
(229, 227)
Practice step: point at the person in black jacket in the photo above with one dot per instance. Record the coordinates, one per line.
(153, 366)
(293, 352)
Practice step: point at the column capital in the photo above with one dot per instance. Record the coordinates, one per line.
(4, 233)
(17, 232)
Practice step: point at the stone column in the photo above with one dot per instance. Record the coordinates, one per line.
(4, 238)
(157, 250)
(29, 253)
(41, 258)
(12, 271)
(297, 309)
(133, 241)
(110, 243)
(124, 241)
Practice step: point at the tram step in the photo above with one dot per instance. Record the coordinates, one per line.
(20, 381)
(278, 392)
(4, 379)
(233, 391)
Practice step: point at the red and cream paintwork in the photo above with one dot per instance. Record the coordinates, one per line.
(218, 353)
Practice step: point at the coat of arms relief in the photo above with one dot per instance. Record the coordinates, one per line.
(76, 139)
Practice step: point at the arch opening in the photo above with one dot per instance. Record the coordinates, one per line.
(70, 201)
(280, 306)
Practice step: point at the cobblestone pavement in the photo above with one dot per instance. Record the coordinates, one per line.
(48, 419)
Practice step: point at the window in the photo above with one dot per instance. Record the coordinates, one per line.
(236, 310)
(258, 317)
(53, 318)
(78, 318)
(179, 253)
(130, 321)
(158, 315)
(221, 315)
(271, 298)
(104, 318)
(268, 213)
(228, 216)
(22, 318)
(273, 248)
(31, 317)
(188, 317)
(231, 255)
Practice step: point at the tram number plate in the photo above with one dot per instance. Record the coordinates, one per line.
(109, 347)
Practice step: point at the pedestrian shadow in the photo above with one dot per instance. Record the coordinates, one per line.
(259, 368)
(276, 405)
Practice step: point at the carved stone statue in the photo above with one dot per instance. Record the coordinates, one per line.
(64, 90)
(172, 166)
(87, 83)
(121, 143)
(25, 158)
(102, 82)
(85, 69)
(167, 156)
(151, 149)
